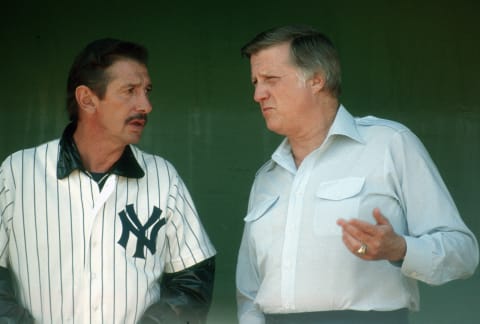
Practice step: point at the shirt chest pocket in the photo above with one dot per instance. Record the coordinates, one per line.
(336, 199)
(264, 227)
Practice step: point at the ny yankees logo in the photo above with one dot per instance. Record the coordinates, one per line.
(131, 224)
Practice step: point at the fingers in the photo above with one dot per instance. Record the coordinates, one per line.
(364, 226)
(380, 239)
(363, 238)
(357, 243)
(356, 231)
(356, 226)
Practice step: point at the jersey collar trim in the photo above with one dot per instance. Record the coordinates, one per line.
(69, 159)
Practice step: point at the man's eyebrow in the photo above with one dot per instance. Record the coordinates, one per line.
(138, 83)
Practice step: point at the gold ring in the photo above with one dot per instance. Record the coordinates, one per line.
(362, 249)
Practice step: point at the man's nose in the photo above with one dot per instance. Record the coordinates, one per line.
(144, 105)
(260, 93)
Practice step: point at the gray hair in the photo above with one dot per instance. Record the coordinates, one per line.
(310, 50)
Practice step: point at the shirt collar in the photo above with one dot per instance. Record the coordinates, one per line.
(69, 158)
(344, 124)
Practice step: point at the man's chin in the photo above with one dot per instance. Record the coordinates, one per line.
(274, 128)
(134, 138)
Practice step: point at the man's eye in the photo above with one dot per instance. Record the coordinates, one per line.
(271, 79)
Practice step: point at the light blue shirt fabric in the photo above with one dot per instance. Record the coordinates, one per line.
(292, 257)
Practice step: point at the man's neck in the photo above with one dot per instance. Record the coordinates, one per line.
(313, 137)
(97, 155)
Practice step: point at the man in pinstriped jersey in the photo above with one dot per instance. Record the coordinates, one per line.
(92, 229)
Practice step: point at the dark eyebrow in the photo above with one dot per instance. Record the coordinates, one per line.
(136, 84)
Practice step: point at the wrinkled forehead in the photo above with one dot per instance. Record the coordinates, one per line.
(279, 51)
(272, 58)
(128, 71)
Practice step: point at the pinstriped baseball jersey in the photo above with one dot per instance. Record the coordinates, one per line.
(90, 256)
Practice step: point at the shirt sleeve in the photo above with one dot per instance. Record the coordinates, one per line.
(247, 282)
(187, 240)
(440, 247)
(247, 276)
(6, 209)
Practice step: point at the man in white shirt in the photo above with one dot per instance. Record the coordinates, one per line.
(349, 213)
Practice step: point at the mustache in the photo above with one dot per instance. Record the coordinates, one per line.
(143, 117)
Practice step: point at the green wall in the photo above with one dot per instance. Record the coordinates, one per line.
(417, 62)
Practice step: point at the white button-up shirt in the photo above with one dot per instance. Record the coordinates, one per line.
(292, 257)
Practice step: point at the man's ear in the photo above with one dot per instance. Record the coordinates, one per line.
(86, 99)
(318, 82)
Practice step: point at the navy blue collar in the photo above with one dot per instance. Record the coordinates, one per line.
(69, 159)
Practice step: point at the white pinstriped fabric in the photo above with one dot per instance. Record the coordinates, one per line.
(60, 237)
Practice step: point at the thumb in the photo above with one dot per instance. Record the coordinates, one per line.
(379, 218)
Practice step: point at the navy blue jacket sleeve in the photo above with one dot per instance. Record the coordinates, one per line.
(185, 296)
(10, 310)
